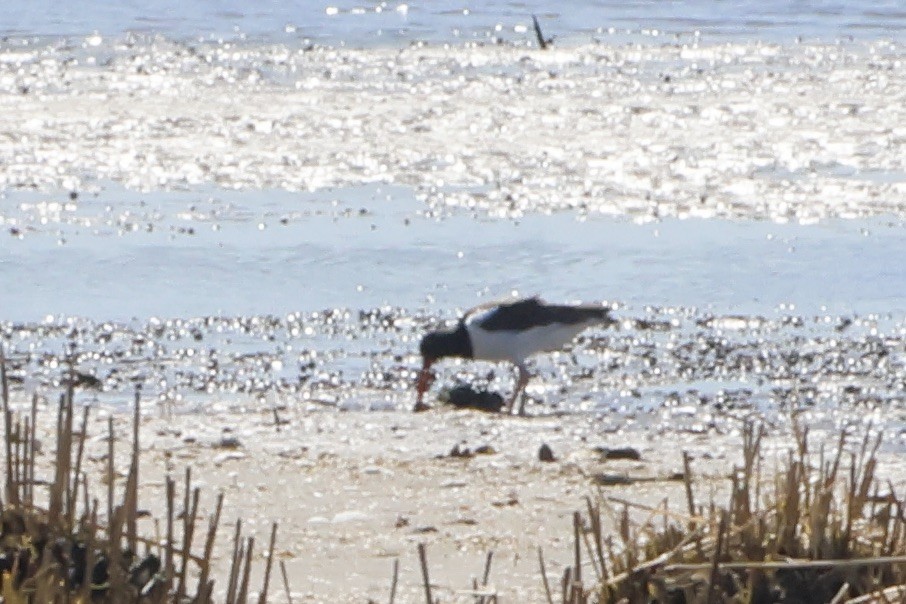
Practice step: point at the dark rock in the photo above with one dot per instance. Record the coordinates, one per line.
(546, 454)
(229, 442)
(629, 453)
(141, 573)
(610, 480)
(465, 397)
(462, 452)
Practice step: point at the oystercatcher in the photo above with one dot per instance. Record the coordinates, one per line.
(507, 332)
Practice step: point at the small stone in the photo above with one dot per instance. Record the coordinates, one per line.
(229, 442)
(505, 503)
(546, 454)
(629, 453)
(610, 480)
(461, 452)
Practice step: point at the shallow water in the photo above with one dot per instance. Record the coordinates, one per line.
(372, 23)
(212, 298)
(118, 254)
(271, 222)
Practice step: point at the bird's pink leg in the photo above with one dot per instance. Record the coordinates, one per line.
(521, 380)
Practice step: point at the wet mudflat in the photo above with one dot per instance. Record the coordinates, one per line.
(238, 224)
(243, 228)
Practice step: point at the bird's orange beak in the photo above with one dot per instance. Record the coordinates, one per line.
(425, 379)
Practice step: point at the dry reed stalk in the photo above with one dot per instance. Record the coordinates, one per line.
(481, 599)
(721, 539)
(91, 538)
(11, 491)
(840, 595)
(246, 571)
(542, 43)
(594, 516)
(423, 558)
(236, 561)
(896, 591)
(17, 458)
(33, 440)
(289, 596)
(132, 485)
(547, 587)
(262, 598)
(188, 535)
(209, 542)
(111, 473)
(77, 470)
(168, 551)
(61, 473)
(25, 463)
(68, 418)
(790, 564)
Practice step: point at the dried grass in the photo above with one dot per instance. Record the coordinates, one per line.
(821, 528)
(62, 553)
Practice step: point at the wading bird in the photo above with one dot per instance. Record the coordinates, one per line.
(507, 332)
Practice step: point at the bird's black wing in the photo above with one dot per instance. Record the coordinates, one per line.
(532, 312)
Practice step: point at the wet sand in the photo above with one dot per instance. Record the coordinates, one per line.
(354, 491)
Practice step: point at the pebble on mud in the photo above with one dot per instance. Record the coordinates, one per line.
(630, 453)
(546, 454)
(229, 442)
(465, 397)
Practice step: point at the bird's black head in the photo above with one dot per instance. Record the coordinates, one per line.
(439, 344)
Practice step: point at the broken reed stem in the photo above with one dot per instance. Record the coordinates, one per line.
(289, 595)
(17, 455)
(244, 587)
(542, 43)
(423, 557)
(687, 481)
(577, 569)
(77, 470)
(188, 535)
(840, 595)
(111, 472)
(393, 580)
(209, 541)
(594, 517)
(262, 599)
(234, 568)
(168, 551)
(721, 538)
(881, 595)
(484, 580)
(487, 569)
(663, 558)
(188, 523)
(30, 487)
(69, 410)
(547, 587)
(788, 564)
(132, 487)
(23, 461)
(11, 494)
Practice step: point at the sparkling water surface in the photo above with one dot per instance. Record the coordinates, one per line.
(274, 200)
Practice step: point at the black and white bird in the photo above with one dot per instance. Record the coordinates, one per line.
(507, 332)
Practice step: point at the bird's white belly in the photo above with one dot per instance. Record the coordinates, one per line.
(516, 346)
